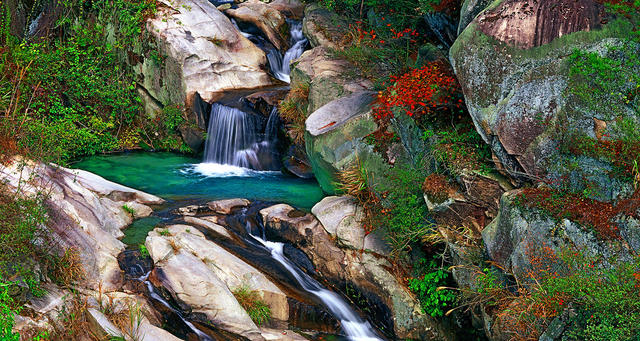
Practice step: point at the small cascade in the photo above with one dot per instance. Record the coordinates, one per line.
(280, 65)
(236, 138)
(232, 134)
(354, 327)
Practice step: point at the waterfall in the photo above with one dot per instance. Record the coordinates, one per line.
(236, 138)
(354, 327)
(232, 134)
(280, 65)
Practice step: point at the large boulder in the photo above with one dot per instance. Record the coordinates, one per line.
(199, 51)
(323, 27)
(328, 77)
(268, 19)
(335, 138)
(293, 9)
(520, 234)
(224, 273)
(378, 289)
(87, 214)
(514, 64)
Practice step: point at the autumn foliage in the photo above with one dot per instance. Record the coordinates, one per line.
(424, 92)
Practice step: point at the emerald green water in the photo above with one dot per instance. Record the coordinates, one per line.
(176, 177)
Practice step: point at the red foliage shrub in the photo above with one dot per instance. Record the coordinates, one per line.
(424, 92)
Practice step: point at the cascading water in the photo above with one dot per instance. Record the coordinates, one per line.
(280, 65)
(353, 326)
(232, 134)
(235, 138)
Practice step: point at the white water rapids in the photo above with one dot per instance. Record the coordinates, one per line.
(353, 326)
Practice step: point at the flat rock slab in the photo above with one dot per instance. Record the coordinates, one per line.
(227, 206)
(335, 114)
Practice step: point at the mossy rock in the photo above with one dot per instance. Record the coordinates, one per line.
(517, 84)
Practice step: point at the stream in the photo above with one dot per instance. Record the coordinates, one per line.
(241, 160)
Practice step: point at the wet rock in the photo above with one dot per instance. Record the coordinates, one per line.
(199, 289)
(280, 335)
(227, 206)
(232, 272)
(193, 210)
(203, 53)
(211, 226)
(369, 274)
(297, 163)
(264, 101)
(269, 20)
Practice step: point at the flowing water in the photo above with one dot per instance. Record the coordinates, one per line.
(353, 326)
(239, 161)
(281, 65)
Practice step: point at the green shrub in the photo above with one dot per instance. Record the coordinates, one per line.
(144, 252)
(405, 214)
(21, 225)
(7, 313)
(435, 300)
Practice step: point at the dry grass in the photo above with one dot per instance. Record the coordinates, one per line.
(293, 110)
(354, 181)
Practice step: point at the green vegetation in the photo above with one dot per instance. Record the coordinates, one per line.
(404, 212)
(21, 223)
(143, 251)
(429, 286)
(607, 84)
(7, 313)
(293, 110)
(250, 300)
(75, 95)
(129, 210)
(460, 148)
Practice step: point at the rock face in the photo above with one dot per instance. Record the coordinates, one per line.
(514, 67)
(470, 9)
(326, 76)
(322, 27)
(334, 138)
(200, 51)
(201, 276)
(269, 20)
(365, 272)
(87, 214)
(518, 234)
(293, 9)
(532, 23)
